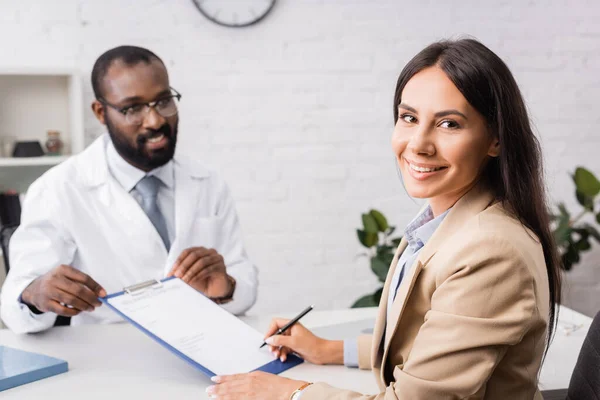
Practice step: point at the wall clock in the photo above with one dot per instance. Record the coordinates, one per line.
(235, 13)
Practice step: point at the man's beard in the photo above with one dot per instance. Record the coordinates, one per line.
(138, 155)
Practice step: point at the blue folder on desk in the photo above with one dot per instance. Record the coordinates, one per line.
(274, 366)
(18, 367)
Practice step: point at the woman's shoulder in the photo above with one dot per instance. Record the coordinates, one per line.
(500, 223)
(496, 234)
(493, 249)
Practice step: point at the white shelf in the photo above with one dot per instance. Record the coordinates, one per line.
(31, 161)
(45, 71)
(33, 101)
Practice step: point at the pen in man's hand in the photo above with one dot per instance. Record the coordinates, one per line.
(289, 324)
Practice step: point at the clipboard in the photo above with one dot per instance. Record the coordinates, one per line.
(143, 294)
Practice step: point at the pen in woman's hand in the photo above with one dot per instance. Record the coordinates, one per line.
(289, 324)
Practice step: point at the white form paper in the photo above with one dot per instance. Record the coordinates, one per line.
(196, 327)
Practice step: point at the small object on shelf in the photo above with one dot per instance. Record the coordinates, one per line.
(54, 144)
(7, 144)
(28, 149)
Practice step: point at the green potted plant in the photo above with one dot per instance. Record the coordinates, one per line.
(376, 236)
(571, 233)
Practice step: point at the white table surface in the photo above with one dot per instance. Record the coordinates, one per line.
(118, 361)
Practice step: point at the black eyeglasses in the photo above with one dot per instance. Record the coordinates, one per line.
(134, 115)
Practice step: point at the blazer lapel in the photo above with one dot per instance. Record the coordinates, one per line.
(471, 204)
(380, 322)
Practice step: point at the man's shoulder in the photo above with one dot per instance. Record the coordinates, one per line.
(75, 171)
(62, 173)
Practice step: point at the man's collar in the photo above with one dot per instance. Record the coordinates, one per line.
(128, 176)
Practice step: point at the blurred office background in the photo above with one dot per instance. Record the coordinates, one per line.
(296, 111)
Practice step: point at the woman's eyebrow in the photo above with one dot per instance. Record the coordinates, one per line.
(438, 114)
(445, 113)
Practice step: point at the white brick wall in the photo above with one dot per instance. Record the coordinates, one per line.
(296, 111)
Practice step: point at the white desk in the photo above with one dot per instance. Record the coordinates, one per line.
(118, 361)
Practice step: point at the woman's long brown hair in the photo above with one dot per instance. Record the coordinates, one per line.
(517, 173)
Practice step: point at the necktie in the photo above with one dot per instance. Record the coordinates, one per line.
(147, 187)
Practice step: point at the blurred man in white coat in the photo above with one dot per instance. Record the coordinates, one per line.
(124, 211)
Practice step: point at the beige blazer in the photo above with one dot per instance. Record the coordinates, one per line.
(470, 317)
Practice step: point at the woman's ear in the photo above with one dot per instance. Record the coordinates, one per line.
(494, 150)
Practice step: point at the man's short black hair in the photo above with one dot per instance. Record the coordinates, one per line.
(130, 55)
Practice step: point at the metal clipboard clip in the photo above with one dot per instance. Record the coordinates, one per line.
(139, 288)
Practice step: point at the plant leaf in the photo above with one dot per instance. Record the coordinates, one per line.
(598, 218)
(563, 210)
(586, 201)
(377, 296)
(388, 258)
(390, 230)
(563, 231)
(372, 239)
(369, 300)
(380, 268)
(384, 250)
(367, 239)
(362, 237)
(566, 264)
(396, 242)
(364, 301)
(571, 256)
(592, 231)
(583, 245)
(369, 223)
(586, 182)
(582, 232)
(381, 221)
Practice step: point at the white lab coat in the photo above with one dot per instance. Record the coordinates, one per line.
(77, 214)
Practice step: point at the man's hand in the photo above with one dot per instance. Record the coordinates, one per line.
(62, 287)
(204, 270)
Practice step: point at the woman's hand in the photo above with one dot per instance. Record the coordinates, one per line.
(300, 340)
(253, 386)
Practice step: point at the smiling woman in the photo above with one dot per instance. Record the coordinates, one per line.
(441, 141)
(472, 289)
